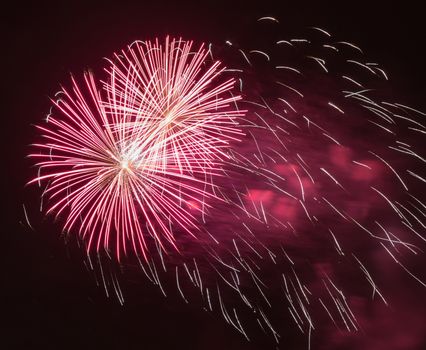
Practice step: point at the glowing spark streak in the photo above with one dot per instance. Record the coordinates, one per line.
(335, 107)
(268, 18)
(391, 168)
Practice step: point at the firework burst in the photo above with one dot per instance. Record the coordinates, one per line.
(277, 200)
(141, 161)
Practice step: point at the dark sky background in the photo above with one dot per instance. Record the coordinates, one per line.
(48, 299)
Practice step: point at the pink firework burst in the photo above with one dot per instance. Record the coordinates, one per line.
(140, 161)
(168, 92)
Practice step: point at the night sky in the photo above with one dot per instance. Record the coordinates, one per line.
(48, 298)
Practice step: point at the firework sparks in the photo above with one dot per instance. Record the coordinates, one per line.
(270, 197)
(141, 161)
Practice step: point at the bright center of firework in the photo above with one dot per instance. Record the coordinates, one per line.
(168, 118)
(125, 164)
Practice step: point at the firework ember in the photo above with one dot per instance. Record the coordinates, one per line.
(243, 189)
